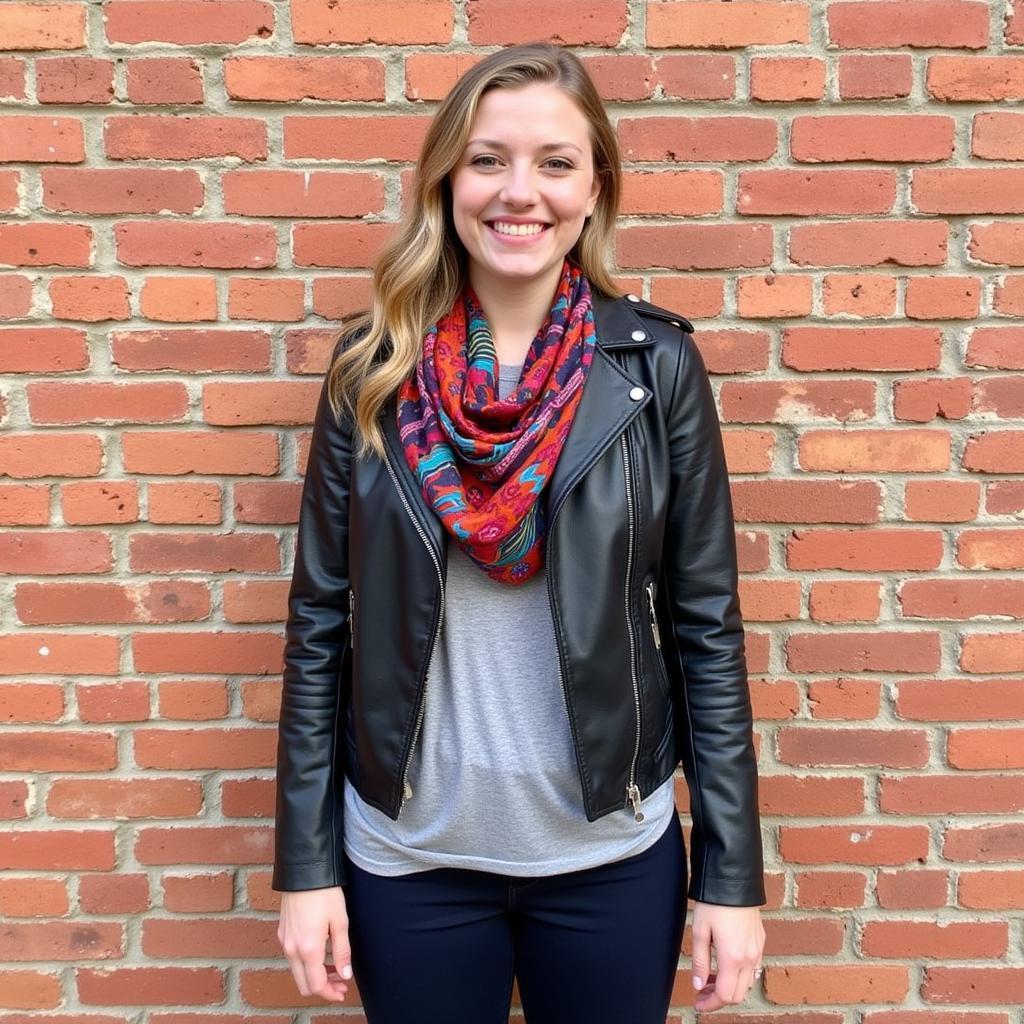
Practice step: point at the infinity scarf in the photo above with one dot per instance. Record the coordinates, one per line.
(482, 461)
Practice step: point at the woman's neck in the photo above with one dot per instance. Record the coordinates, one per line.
(515, 311)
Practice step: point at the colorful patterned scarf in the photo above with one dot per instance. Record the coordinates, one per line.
(482, 461)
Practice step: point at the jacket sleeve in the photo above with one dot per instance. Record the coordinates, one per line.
(700, 572)
(308, 834)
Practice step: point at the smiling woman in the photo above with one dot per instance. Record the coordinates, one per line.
(517, 488)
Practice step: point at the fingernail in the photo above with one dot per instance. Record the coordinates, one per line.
(346, 971)
(697, 983)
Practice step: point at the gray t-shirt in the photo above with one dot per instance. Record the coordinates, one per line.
(494, 778)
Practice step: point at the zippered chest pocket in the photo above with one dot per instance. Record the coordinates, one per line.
(352, 618)
(652, 617)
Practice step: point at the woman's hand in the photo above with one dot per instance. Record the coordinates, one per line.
(738, 938)
(308, 917)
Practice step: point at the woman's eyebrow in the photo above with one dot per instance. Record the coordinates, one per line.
(496, 144)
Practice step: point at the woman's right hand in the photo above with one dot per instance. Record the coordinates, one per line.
(308, 917)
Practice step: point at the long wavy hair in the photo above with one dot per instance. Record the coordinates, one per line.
(424, 266)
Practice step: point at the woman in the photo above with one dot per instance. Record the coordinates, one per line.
(513, 609)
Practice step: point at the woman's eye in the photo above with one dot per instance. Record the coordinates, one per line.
(477, 160)
(565, 165)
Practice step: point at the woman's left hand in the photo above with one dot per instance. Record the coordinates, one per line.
(737, 935)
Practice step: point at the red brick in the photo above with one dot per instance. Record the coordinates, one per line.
(585, 23)
(124, 799)
(885, 137)
(999, 242)
(302, 194)
(693, 76)
(42, 244)
(395, 137)
(862, 295)
(861, 348)
(90, 298)
(184, 137)
(943, 501)
(808, 746)
(863, 652)
(875, 76)
(869, 243)
(997, 452)
(106, 402)
(12, 77)
(977, 79)
(243, 453)
(771, 295)
(990, 549)
(339, 244)
(33, 26)
(968, 190)
(943, 298)
(672, 193)
(279, 301)
(710, 139)
(179, 299)
(141, 243)
(132, 986)
(876, 550)
(922, 23)
(797, 400)
(159, 601)
(101, 190)
(787, 79)
(815, 193)
(188, 22)
(812, 501)
(998, 135)
(192, 351)
(844, 601)
(738, 24)
(922, 400)
(198, 503)
(162, 80)
(696, 246)
(74, 80)
(388, 22)
(41, 138)
(220, 652)
(292, 79)
(996, 348)
(429, 75)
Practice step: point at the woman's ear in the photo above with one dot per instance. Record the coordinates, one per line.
(595, 191)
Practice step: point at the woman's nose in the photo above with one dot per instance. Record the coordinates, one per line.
(519, 187)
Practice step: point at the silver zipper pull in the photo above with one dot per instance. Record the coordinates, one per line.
(633, 795)
(654, 617)
(351, 617)
(408, 790)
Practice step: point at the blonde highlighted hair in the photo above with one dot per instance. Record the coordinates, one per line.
(423, 267)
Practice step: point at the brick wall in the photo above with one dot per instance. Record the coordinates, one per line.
(192, 194)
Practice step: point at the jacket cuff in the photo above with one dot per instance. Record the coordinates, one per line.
(301, 875)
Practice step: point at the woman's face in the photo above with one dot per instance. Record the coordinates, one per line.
(529, 163)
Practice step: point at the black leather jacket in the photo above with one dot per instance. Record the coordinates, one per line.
(642, 579)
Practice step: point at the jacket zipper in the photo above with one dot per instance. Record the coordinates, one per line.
(406, 788)
(632, 789)
(351, 618)
(654, 618)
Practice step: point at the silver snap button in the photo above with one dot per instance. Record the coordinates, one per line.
(638, 335)
(636, 394)
(633, 298)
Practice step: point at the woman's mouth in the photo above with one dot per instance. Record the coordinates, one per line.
(516, 234)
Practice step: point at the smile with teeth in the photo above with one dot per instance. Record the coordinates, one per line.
(504, 228)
